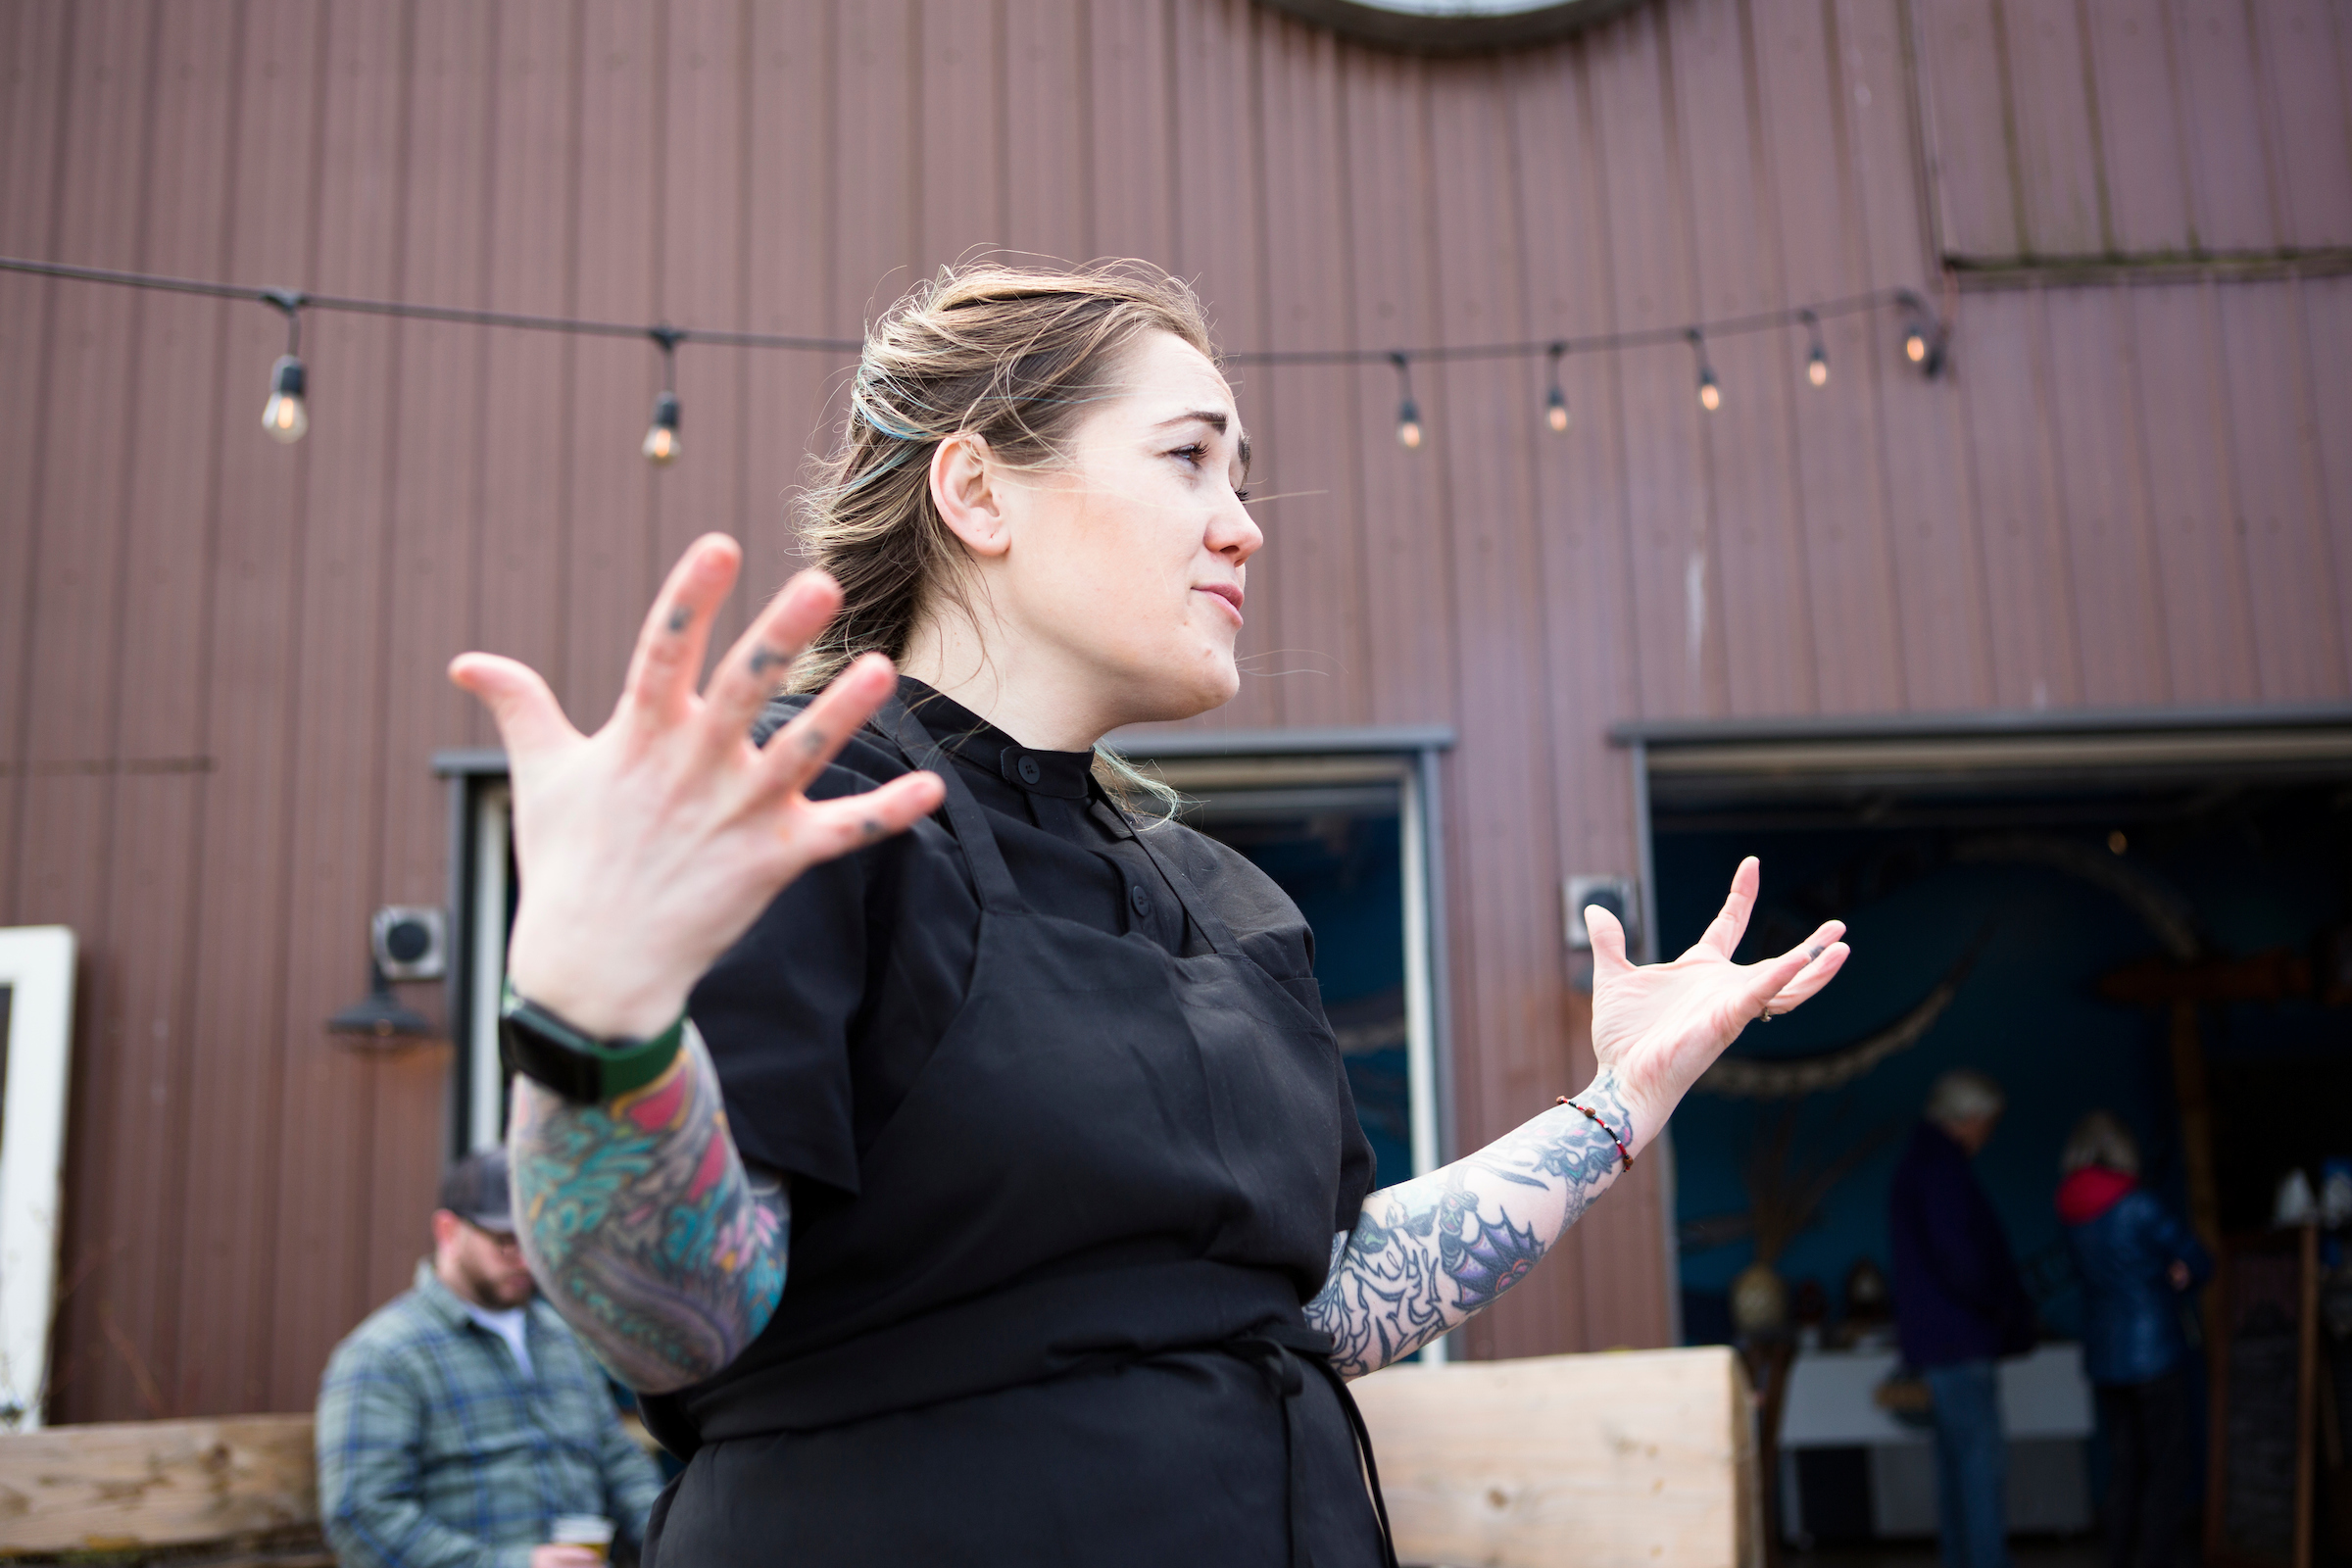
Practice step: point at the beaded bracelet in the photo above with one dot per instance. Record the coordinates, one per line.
(1624, 1153)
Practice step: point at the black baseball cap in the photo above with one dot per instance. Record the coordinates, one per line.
(475, 1191)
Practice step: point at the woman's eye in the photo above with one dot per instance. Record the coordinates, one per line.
(1241, 495)
(1191, 454)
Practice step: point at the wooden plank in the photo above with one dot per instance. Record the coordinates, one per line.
(1508, 935)
(120, 1487)
(2208, 633)
(610, 568)
(1579, 474)
(432, 528)
(703, 196)
(2103, 508)
(2143, 155)
(335, 686)
(960, 97)
(1569, 1461)
(1964, 80)
(1760, 591)
(1212, 109)
(1804, 111)
(2275, 505)
(2036, 664)
(133, 1179)
(31, 109)
(70, 724)
(2306, 93)
(2231, 183)
(1131, 157)
(2327, 305)
(1675, 574)
(1881, 149)
(2057, 155)
(792, 409)
(227, 1249)
(515, 599)
(1046, 151)
(1313, 569)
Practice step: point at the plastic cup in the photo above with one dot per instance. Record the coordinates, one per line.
(582, 1530)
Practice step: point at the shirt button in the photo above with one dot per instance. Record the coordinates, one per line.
(1140, 898)
(1029, 770)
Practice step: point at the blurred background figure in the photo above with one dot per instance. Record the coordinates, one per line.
(1959, 1306)
(463, 1424)
(2138, 1263)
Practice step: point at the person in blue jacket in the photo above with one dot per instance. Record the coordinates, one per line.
(2137, 1264)
(1959, 1307)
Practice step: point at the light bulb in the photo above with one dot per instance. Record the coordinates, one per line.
(1409, 426)
(1555, 410)
(1710, 396)
(662, 436)
(284, 416)
(1915, 346)
(1817, 367)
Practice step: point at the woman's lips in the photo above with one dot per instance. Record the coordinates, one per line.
(1227, 594)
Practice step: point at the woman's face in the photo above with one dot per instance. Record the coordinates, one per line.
(1124, 570)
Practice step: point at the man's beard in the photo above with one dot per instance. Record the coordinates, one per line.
(491, 1291)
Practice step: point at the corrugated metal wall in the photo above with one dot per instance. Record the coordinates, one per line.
(219, 660)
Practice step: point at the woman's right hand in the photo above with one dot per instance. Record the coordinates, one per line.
(647, 848)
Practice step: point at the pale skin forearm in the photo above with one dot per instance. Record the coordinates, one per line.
(644, 1229)
(1429, 1253)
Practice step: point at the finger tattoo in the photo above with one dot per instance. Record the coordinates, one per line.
(1815, 953)
(765, 659)
(813, 742)
(680, 618)
(872, 826)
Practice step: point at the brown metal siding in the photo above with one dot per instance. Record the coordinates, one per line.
(220, 661)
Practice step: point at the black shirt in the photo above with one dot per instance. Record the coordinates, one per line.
(825, 1010)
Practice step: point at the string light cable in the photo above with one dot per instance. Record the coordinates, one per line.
(1926, 345)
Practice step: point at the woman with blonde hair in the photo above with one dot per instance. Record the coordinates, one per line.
(956, 1153)
(2137, 1264)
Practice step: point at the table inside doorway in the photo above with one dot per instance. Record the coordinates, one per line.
(1850, 1470)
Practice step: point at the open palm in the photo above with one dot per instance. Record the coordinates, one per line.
(1656, 1027)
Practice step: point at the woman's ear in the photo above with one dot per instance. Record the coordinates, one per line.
(965, 488)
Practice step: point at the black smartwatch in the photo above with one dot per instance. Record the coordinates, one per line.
(580, 1068)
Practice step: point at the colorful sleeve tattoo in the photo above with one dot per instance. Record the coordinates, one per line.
(642, 1226)
(1429, 1252)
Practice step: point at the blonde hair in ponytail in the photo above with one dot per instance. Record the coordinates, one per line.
(1011, 355)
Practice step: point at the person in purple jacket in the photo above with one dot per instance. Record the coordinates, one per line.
(1959, 1306)
(2138, 1263)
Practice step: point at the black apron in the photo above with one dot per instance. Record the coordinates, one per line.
(1045, 1330)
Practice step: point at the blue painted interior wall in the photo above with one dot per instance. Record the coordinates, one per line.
(2265, 873)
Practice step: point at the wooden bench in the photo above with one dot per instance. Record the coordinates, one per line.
(1638, 1460)
(1628, 1459)
(244, 1487)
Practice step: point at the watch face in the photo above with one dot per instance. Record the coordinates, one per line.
(1453, 27)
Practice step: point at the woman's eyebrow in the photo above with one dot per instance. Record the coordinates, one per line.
(1217, 419)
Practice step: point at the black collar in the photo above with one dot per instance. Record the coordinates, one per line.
(974, 742)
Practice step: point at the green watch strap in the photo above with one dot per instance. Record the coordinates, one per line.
(545, 1049)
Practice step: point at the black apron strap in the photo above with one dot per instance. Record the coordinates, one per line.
(966, 819)
(1276, 1349)
(1212, 928)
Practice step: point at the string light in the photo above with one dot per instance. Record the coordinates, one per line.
(1409, 412)
(662, 436)
(1922, 334)
(286, 418)
(1711, 394)
(1817, 360)
(287, 415)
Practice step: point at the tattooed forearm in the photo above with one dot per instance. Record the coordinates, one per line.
(643, 1228)
(1427, 1254)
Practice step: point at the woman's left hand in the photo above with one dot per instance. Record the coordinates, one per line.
(1656, 1027)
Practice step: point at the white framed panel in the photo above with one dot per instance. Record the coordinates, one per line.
(37, 969)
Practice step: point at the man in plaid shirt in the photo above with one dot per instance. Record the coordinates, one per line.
(462, 1418)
